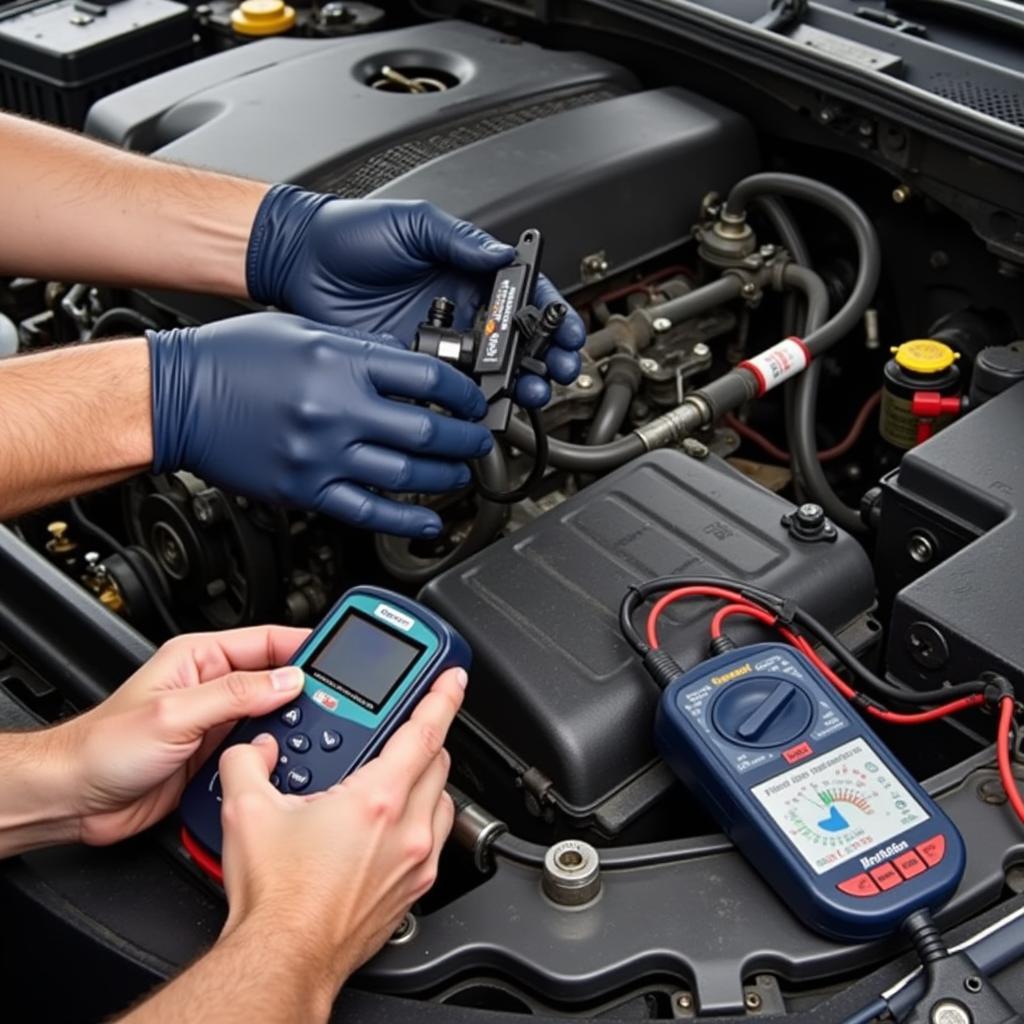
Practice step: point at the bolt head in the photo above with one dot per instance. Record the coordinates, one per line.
(749, 288)
(584, 382)
(649, 365)
(901, 193)
(752, 1001)
(701, 351)
(767, 251)
(684, 1001)
(661, 324)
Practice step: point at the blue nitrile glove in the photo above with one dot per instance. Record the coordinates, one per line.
(288, 411)
(378, 265)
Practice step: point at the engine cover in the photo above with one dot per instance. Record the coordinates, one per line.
(522, 137)
(559, 709)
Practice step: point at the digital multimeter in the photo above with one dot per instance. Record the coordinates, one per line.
(797, 780)
(367, 665)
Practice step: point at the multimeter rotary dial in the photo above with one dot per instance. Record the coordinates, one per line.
(762, 711)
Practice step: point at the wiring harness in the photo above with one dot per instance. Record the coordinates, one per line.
(798, 628)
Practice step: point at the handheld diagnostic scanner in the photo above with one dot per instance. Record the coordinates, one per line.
(812, 797)
(367, 665)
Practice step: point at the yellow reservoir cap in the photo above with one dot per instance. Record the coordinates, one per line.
(924, 355)
(262, 17)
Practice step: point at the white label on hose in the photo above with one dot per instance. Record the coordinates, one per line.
(778, 363)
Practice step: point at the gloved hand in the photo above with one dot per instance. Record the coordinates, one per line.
(378, 265)
(294, 413)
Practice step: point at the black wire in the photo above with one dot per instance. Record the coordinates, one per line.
(115, 545)
(540, 467)
(123, 315)
(926, 937)
(787, 612)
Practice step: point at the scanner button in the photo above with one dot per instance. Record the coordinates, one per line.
(299, 779)
(329, 739)
(275, 780)
(909, 864)
(886, 876)
(932, 850)
(299, 742)
(859, 885)
(292, 717)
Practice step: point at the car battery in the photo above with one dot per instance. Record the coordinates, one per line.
(56, 59)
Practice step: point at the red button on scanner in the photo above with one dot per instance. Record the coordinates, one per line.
(932, 850)
(859, 885)
(886, 876)
(797, 753)
(909, 864)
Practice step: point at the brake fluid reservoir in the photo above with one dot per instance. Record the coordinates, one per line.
(920, 365)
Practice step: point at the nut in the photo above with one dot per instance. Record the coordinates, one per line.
(572, 873)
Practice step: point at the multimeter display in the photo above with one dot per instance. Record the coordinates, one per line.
(839, 805)
(362, 660)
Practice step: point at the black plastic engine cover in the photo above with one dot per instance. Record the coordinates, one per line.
(958, 496)
(555, 688)
(527, 137)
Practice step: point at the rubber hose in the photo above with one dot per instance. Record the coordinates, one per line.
(490, 518)
(785, 227)
(709, 296)
(794, 319)
(611, 413)
(578, 458)
(868, 251)
(820, 337)
(120, 314)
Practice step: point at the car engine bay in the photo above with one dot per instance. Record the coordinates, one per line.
(701, 197)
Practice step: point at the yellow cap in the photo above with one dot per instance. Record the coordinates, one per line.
(262, 17)
(924, 355)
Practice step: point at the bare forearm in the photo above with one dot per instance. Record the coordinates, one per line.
(35, 792)
(258, 972)
(75, 210)
(72, 420)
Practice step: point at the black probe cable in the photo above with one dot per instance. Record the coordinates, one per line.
(993, 948)
(540, 467)
(786, 612)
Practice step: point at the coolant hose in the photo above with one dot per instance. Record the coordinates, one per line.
(621, 383)
(611, 413)
(820, 336)
(578, 458)
(868, 252)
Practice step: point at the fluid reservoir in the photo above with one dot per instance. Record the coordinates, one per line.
(921, 365)
(262, 17)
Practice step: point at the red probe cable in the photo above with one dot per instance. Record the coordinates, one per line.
(1006, 708)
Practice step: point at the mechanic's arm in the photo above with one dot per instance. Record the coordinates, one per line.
(317, 884)
(122, 766)
(72, 420)
(268, 405)
(76, 210)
